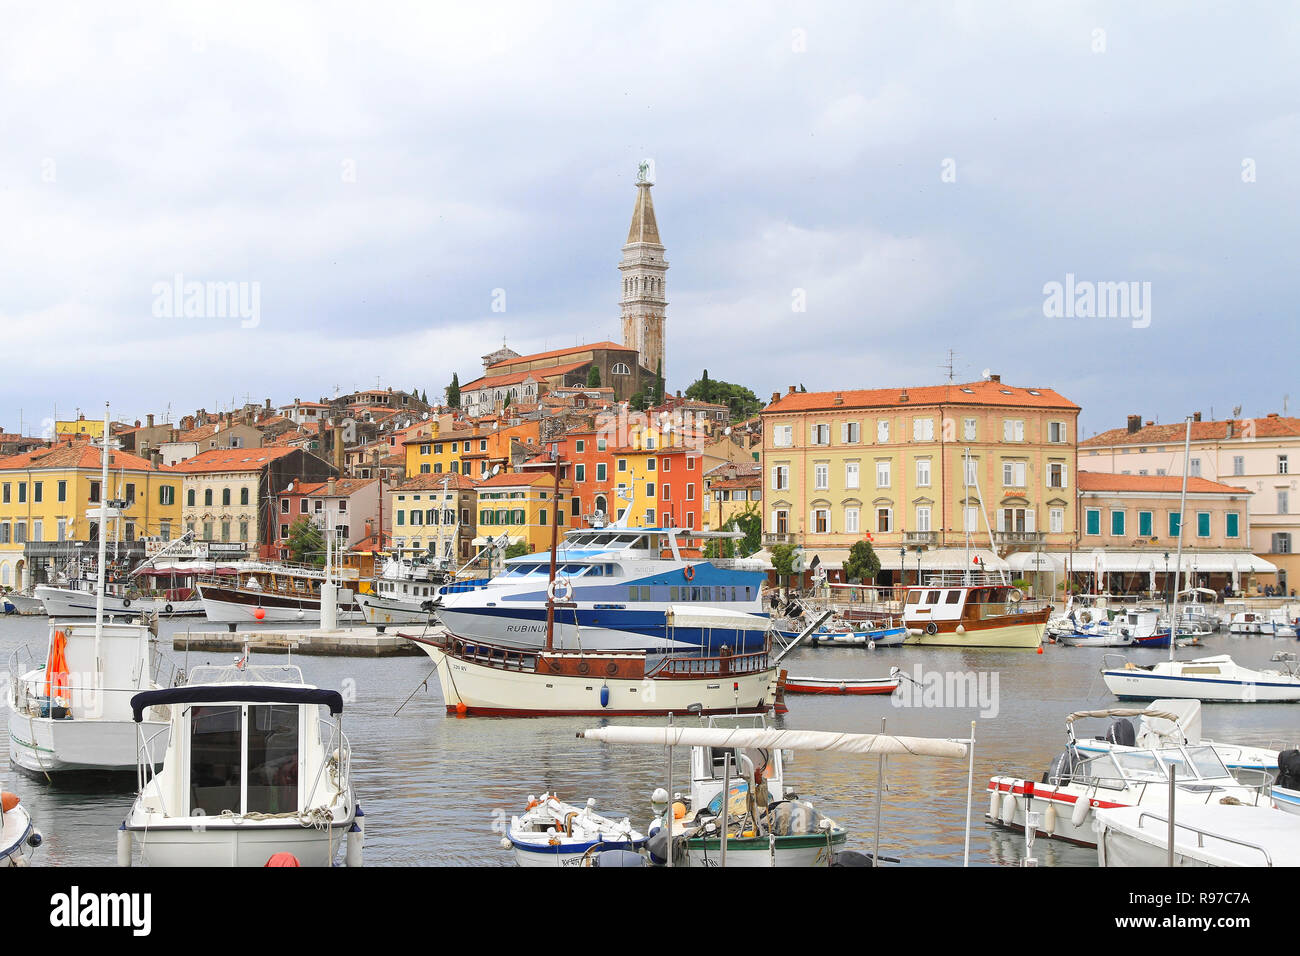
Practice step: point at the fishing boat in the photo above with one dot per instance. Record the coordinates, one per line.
(847, 635)
(18, 835)
(1073, 788)
(739, 767)
(620, 584)
(551, 832)
(406, 592)
(842, 685)
(260, 592)
(252, 769)
(1277, 622)
(1217, 678)
(1213, 835)
(19, 602)
(971, 610)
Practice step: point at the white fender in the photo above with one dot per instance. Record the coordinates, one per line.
(1009, 809)
(993, 804)
(961, 628)
(123, 847)
(1080, 813)
(1049, 819)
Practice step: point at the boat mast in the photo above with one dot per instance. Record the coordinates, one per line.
(103, 548)
(1178, 562)
(555, 537)
(965, 514)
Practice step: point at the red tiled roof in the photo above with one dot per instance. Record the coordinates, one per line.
(1270, 426)
(372, 543)
(509, 479)
(431, 482)
(1155, 484)
(514, 378)
(231, 459)
(557, 353)
(343, 487)
(78, 455)
(972, 393)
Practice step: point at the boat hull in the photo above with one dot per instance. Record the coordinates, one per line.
(41, 745)
(1028, 634)
(24, 604)
(212, 843)
(891, 637)
(827, 685)
(1143, 685)
(810, 849)
(64, 602)
(15, 829)
(474, 688)
(569, 853)
(382, 611)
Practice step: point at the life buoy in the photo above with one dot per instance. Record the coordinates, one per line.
(559, 590)
(688, 572)
(931, 628)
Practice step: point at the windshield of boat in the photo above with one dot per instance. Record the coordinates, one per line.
(568, 570)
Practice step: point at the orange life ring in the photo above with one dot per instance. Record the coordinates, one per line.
(688, 572)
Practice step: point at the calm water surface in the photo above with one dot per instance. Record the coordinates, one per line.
(435, 788)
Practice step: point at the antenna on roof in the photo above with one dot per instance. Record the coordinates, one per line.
(1236, 411)
(948, 365)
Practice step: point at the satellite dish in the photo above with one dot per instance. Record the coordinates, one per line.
(986, 373)
(727, 430)
(425, 415)
(495, 470)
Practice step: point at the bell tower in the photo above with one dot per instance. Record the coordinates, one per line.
(644, 299)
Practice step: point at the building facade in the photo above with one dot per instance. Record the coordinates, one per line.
(434, 515)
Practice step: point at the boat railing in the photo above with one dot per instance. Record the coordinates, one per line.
(146, 767)
(720, 664)
(957, 579)
(337, 743)
(1202, 833)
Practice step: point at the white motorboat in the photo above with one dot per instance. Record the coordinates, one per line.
(765, 824)
(551, 832)
(1074, 788)
(407, 591)
(1275, 622)
(1213, 835)
(22, 603)
(18, 835)
(72, 712)
(1100, 634)
(1217, 678)
(248, 775)
(1170, 723)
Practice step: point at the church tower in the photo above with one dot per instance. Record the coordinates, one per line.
(643, 267)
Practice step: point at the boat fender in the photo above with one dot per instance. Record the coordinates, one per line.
(604, 694)
(993, 803)
(913, 632)
(1009, 808)
(961, 628)
(282, 859)
(168, 609)
(1080, 812)
(1049, 819)
(931, 627)
(126, 602)
(123, 846)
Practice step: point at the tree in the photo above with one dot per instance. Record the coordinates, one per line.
(518, 549)
(453, 392)
(742, 402)
(637, 402)
(659, 395)
(750, 523)
(593, 377)
(783, 560)
(305, 543)
(506, 403)
(863, 563)
(424, 396)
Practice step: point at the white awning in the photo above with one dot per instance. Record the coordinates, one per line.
(1031, 561)
(823, 740)
(690, 615)
(484, 540)
(1148, 561)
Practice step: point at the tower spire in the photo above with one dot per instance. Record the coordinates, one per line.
(644, 299)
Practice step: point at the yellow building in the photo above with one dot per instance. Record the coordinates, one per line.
(523, 506)
(464, 451)
(891, 466)
(45, 495)
(79, 428)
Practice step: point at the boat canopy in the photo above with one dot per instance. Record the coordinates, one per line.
(686, 615)
(762, 737)
(240, 693)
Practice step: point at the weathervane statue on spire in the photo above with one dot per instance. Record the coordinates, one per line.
(645, 172)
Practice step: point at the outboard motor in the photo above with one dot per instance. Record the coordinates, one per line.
(1121, 732)
(851, 858)
(1288, 769)
(657, 847)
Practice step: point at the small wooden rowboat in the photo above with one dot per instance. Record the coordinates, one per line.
(843, 685)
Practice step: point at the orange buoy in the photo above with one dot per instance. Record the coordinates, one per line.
(461, 709)
(679, 810)
(1040, 648)
(8, 801)
(282, 859)
(259, 614)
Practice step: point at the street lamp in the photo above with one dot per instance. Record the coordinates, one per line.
(902, 565)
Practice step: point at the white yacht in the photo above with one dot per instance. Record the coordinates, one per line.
(407, 591)
(248, 774)
(614, 588)
(1218, 678)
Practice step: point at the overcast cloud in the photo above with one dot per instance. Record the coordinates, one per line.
(379, 170)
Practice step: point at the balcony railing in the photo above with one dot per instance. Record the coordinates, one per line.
(777, 537)
(1019, 537)
(919, 538)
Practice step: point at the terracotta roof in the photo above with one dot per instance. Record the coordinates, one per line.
(78, 455)
(372, 543)
(510, 479)
(745, 481)
(343, 487)
(972, 393)
(1270, 426)
(231, 459)
(432, 482)
(514, 378)
(1155, 484)
(557, 353)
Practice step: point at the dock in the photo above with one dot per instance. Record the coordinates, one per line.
(341, 642)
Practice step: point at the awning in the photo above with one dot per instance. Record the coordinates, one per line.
(483, 541)
(1149, 561)
(1036, 561)
(690, 615)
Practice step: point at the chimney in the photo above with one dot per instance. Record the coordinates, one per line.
(776, 397)
(149, 419)
(1196, 416)
(268, 404)
(338, 448)
(839, 398)
(903, 396)
(332, 487)
(1231, 424)
(996, 378)
(1134, 423)
(791, 391)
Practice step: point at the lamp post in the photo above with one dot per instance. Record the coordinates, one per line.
(902, 565)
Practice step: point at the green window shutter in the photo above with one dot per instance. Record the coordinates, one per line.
(1144, 524)
(1202, 524)
(1233, 527)
(1094, 521)
(1117, 524)
(1174, 528)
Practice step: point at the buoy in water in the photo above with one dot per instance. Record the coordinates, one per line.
(461, 709)
(259, 613)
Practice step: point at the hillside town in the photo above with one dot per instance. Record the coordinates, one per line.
(934, 476)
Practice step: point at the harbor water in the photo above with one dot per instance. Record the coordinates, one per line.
(438, 790)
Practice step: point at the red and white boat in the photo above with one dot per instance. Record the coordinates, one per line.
(842, 685)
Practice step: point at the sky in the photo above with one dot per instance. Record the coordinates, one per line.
(846, 192)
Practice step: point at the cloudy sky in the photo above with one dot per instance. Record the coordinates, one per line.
(915, 174)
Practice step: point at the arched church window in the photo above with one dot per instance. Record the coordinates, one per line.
(620, 369)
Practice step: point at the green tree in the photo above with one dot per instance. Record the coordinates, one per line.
(518, 549)
(783, 561)
(742, 402)
(637, 402)
(506, 403)
(424, 396)
(593, 377)
(453, 392)
(305, 543)
(659, 395)
(863, 563)
(750, 522)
